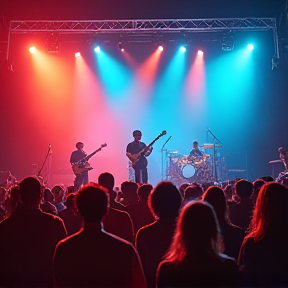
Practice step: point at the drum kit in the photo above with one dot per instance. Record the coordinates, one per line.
(184, 169)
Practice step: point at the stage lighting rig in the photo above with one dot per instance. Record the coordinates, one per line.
(52, 43)
(227, 43)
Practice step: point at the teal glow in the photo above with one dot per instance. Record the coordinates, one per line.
(115, 77)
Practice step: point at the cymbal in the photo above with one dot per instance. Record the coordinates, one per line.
(275, 161)
(210, 146)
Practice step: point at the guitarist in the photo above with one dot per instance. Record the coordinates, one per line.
(140, 166)
(76, 156)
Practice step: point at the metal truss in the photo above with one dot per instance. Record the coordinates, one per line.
(145, 26)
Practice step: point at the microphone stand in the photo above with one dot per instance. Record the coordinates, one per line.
(162, 157)
(40, 170)
(214, 154)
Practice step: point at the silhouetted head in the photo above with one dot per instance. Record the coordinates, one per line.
(197, 233)
(165, 200)
(48, 195)
(79, 145)
(257, 184)
(30, 190)
(129, 190)
(267, 178)
(244, 188)
(182, 188)
(92, 202)
(58, 193)
(137, 135)
(70, 201)
(144, 191)
(271, 212)
(106, 180)
(214, 195)
(193, 192)
(195, 145)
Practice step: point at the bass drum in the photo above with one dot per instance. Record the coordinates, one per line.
(188, 171)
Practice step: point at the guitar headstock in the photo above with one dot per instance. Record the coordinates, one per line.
(103, 145)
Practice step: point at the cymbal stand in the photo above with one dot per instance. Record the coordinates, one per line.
(162, 156)
(214, 154)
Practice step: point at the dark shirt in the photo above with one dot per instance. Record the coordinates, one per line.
(233, 237)
(95, 258)
(152, 243)
(27, 242)
(119, 223)
(72, 221)
(195, 153)
(241, 213)
(202, 271)
(264, 263)
(134, 148)
(77, 156)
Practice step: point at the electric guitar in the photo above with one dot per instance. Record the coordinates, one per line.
(82, 165)
(134, 158)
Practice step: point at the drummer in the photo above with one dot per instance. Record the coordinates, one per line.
(195, 152)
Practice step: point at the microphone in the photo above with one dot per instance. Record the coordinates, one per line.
(165, 143)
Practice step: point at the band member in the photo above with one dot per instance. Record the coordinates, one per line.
(195, 152)
(137, 152)
(76, 156)
(283, 154)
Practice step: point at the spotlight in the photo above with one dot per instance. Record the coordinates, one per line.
(32, 49)
(97, 49)
(200, 52)
(160, 48)
(183, 48)
(121, 47)
(250, 47)
(77, 54)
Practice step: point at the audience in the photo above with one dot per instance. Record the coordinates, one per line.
(70, 216)
(129, 190)
(191, 193)
(187, 250)
(48, 199)
(58, 193)
(153, 240)
(263, 256)
(241, 212)
(28, 238)
(194, 258)
(3, 197)
(93, 257)
(146, 216)
(257, 184)
(116, 222)
(232, 235)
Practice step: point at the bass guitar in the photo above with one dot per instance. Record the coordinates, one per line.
(83, 165)
(134, 158)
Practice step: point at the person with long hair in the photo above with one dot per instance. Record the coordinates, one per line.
(232, 235)
(263, 255)
(194, 258)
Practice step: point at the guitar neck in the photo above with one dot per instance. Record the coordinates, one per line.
(93, 153)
